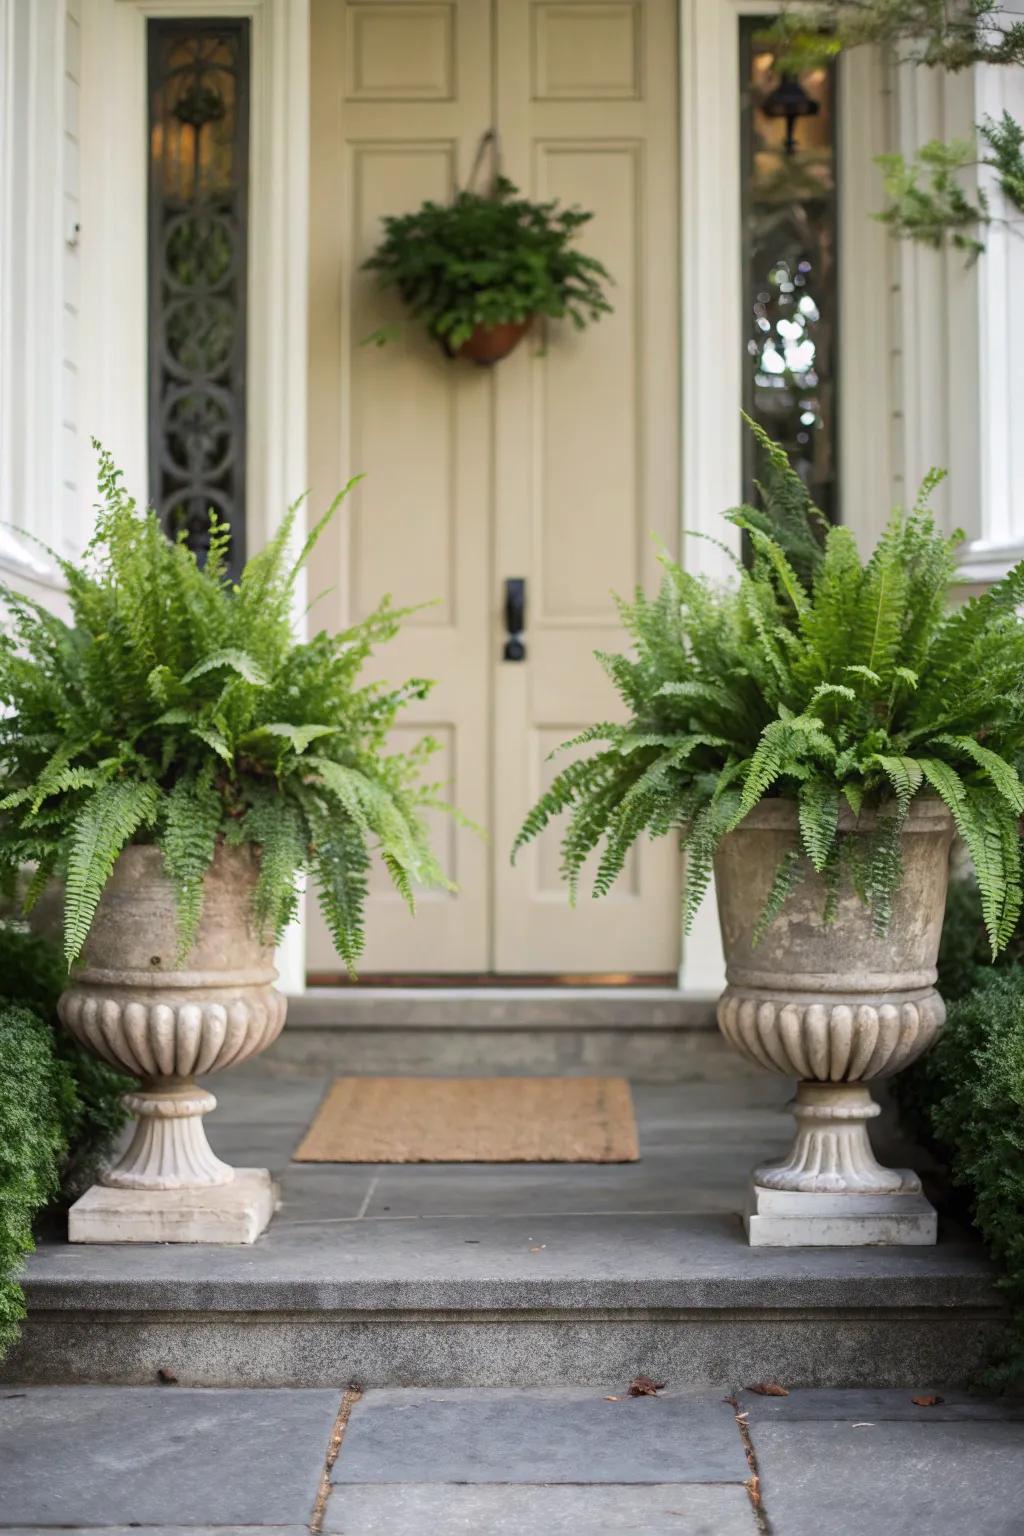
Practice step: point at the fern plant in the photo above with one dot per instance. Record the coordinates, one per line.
(179, 710)
(487, 261)
(818, 679)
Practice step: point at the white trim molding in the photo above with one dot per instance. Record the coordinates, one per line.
(113, 240)
(33, 334)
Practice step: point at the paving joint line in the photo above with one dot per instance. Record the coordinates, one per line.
(353, 1392)
(753, 1482)
(364, 1207)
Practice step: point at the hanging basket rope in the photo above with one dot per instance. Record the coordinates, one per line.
(489, 140)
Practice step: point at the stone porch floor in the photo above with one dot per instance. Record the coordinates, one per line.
(518, 1276)
(179, 1461)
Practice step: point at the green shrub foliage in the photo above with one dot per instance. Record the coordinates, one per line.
(179, 709)
(37, 1101)
(32, 975)
(488, 261)
(965, 955)
(821, 679)
(59, 1109)
(968, 1096)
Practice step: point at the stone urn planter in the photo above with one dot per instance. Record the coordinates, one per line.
(835, 1007)
(130, 1003)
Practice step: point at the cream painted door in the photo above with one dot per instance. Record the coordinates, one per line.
(554, 467)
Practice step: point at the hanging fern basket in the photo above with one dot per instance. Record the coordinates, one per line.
(490, 343)
(480, 269)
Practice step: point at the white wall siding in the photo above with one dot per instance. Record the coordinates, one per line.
(38, 286)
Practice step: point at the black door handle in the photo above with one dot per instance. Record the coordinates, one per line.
(515, 618)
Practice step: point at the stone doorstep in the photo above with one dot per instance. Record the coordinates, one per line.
(944, 1347)
(524, 1302)
(496, 1008)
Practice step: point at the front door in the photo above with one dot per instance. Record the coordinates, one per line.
(556, 466)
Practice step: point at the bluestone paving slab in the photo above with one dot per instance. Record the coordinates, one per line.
(893, 1479)
(157, 1530)
(554, 1435)
(667, 1509)
(712, 1179)
(879, 1405)
(101, 1456)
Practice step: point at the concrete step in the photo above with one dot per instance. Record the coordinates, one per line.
(526, 1275)
(651, 1034)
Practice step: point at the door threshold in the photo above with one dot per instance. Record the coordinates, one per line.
(478, 981)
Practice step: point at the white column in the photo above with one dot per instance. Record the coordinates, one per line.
(998, 539)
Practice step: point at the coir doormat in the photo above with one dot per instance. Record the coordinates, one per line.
(473, 1120)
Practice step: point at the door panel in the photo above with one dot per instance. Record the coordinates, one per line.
(586, 438)
(555, 467)
(399, 92)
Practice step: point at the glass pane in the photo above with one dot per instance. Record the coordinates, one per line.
(790, 251)
(198, 174)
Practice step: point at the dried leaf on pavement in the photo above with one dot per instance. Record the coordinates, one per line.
(768, 1389)
(926, 1401)
(643, 1386)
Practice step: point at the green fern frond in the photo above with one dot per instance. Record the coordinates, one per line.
(188, 839)
(818, 802)
(786, 877)
(341, 867)
(106, 822)
(235, 660)
(1002, 774)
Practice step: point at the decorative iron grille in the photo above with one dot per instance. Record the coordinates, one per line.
(198, 194)
(790, 263)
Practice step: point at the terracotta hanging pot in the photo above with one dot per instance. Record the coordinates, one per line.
(490, 343)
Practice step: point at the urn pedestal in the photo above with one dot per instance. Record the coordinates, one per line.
(134, 1006)
(835, 1007)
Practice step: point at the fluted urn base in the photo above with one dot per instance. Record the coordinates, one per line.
(830, 1190)
(169, 1149)
(832, 1153)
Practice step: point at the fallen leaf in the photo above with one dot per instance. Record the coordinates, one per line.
(538, 1247)
(643, 1386)
(927, 1402)
(754, 1489)
(863, 1424)
(167, 1377)
(611, 1399)
(768, 1389)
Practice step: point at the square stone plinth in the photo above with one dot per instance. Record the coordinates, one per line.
(777, 1218)
(219, 1213)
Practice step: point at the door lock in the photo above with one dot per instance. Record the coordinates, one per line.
(515, 618)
